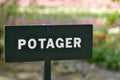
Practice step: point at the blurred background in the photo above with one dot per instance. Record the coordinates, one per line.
(103, 14)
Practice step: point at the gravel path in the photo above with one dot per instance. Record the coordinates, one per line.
(62, 70)
(81, 70)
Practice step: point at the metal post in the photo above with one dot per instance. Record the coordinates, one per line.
(46, 70)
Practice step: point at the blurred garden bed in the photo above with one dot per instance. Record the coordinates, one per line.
(106, 47)
(103, 16)
(99, 17)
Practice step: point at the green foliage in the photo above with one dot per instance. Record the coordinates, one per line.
(116, 0)
(111, 18)
(66, 14)
(7, 11)
(106, 50)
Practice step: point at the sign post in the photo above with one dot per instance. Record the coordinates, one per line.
(25, 43)
(46, 70)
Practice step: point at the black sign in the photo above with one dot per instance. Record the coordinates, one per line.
(47, 42)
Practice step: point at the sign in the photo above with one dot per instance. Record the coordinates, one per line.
(48, 42)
